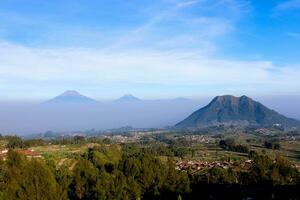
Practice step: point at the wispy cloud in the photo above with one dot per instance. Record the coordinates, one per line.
(199, 20)
(294, 34)
(186, 4)
(213, 19)
(287, 5)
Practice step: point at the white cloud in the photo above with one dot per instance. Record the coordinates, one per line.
(21, 64)
(154, 54)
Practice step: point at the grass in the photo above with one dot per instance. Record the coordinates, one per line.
(62, 154)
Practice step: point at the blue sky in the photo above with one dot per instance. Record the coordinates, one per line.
(153, 49)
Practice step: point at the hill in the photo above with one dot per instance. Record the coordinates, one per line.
(230, 110)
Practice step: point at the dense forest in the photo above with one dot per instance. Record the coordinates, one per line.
(112, 171)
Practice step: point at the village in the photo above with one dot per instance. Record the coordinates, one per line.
(196, 165)
(29, 153)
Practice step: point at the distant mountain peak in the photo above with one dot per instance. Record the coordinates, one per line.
(228, 109)
(71, 96)
(128, 98)
(181, 99)
(71, 93)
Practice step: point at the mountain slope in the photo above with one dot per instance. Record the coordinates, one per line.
(71, 96)
(237, 111)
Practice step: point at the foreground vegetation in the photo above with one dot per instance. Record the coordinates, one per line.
(97, 168)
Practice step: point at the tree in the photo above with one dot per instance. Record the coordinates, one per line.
(252, 154)
(39, 182)
(3, 172)
(272, 144)
(176, 182)
(64, 179)
(221, 176)
(29, 179)
(15, 142)
(84, 180)
(79, 139)
(282, 172)
(229, 144)
(260, 170)
(34, 142)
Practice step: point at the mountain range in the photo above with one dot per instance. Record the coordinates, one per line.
(62, 114)
(231, 110)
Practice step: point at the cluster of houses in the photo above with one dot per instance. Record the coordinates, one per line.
(3, 154)
(124, 138)
(29, 153)
(263, 131)
(196, 165)
(199, 138)
(297, 166)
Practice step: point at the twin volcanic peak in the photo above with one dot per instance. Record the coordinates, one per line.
(231, 110)
(74, 97)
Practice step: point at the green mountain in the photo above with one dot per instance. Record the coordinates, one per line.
(230, 110)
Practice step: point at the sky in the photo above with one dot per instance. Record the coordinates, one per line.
(152, 49)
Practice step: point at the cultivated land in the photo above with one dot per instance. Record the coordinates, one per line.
(186, 146)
